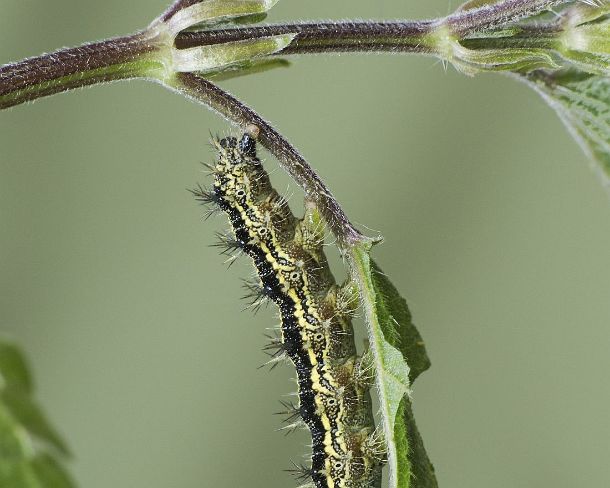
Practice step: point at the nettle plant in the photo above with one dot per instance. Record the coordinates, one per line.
(560, 48)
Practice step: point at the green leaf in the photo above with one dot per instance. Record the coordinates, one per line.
(471, 61)
(472, 4)
(408, 437)
(212, 12)
(582, 101)
(588, 62)
(13, 369)
(50, 473)
(25, 411)
(587, 47)
(219, 56)
(24, 460)
(396, 323)
(396, 347)
(14, 443)
(17, 475)
(39, 472)
(585, 38)
(399, 330)
(248, 68)
(583, 12)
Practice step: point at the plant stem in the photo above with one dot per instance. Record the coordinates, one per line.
(148, 54)
(176, 7)
(399, 36)
(133, 56)
(465, 22)
(207, 93)
(109, 60)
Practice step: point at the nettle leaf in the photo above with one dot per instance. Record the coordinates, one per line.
(587, 47)
(248, 68)
(211, 12)
(26, 412)
(471, 62)
(472, 4)
(218, 56)
(13, 369)
(28, 443)
(586, 11)
(397, 325)
(50, 473)
(400, 357)
(582, 100)
(40, 472)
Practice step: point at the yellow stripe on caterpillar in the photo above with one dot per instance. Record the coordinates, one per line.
(316, 332)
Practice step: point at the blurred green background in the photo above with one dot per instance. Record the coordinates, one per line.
(497, 233)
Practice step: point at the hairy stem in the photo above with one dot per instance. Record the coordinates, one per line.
(149, 54)
(113, 59)
(134, 56)
(463, 23)
(403, 36)
(176, 7)
(206, 92)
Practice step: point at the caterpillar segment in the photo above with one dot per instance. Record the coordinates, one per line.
(316, 332)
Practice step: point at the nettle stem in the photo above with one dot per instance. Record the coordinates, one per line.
(209, 94)
(114, 59)
(326, 37)
(179, 58)
(465, 22)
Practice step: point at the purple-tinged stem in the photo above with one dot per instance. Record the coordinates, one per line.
(399, 36)
(207, 93)
(112, 59)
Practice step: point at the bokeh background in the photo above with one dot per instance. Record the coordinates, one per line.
(496, 231)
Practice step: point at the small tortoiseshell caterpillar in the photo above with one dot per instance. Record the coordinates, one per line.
(316, 330)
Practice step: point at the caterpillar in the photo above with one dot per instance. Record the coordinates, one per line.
(316, 333)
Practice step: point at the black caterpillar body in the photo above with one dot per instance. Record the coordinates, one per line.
(316, 330)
